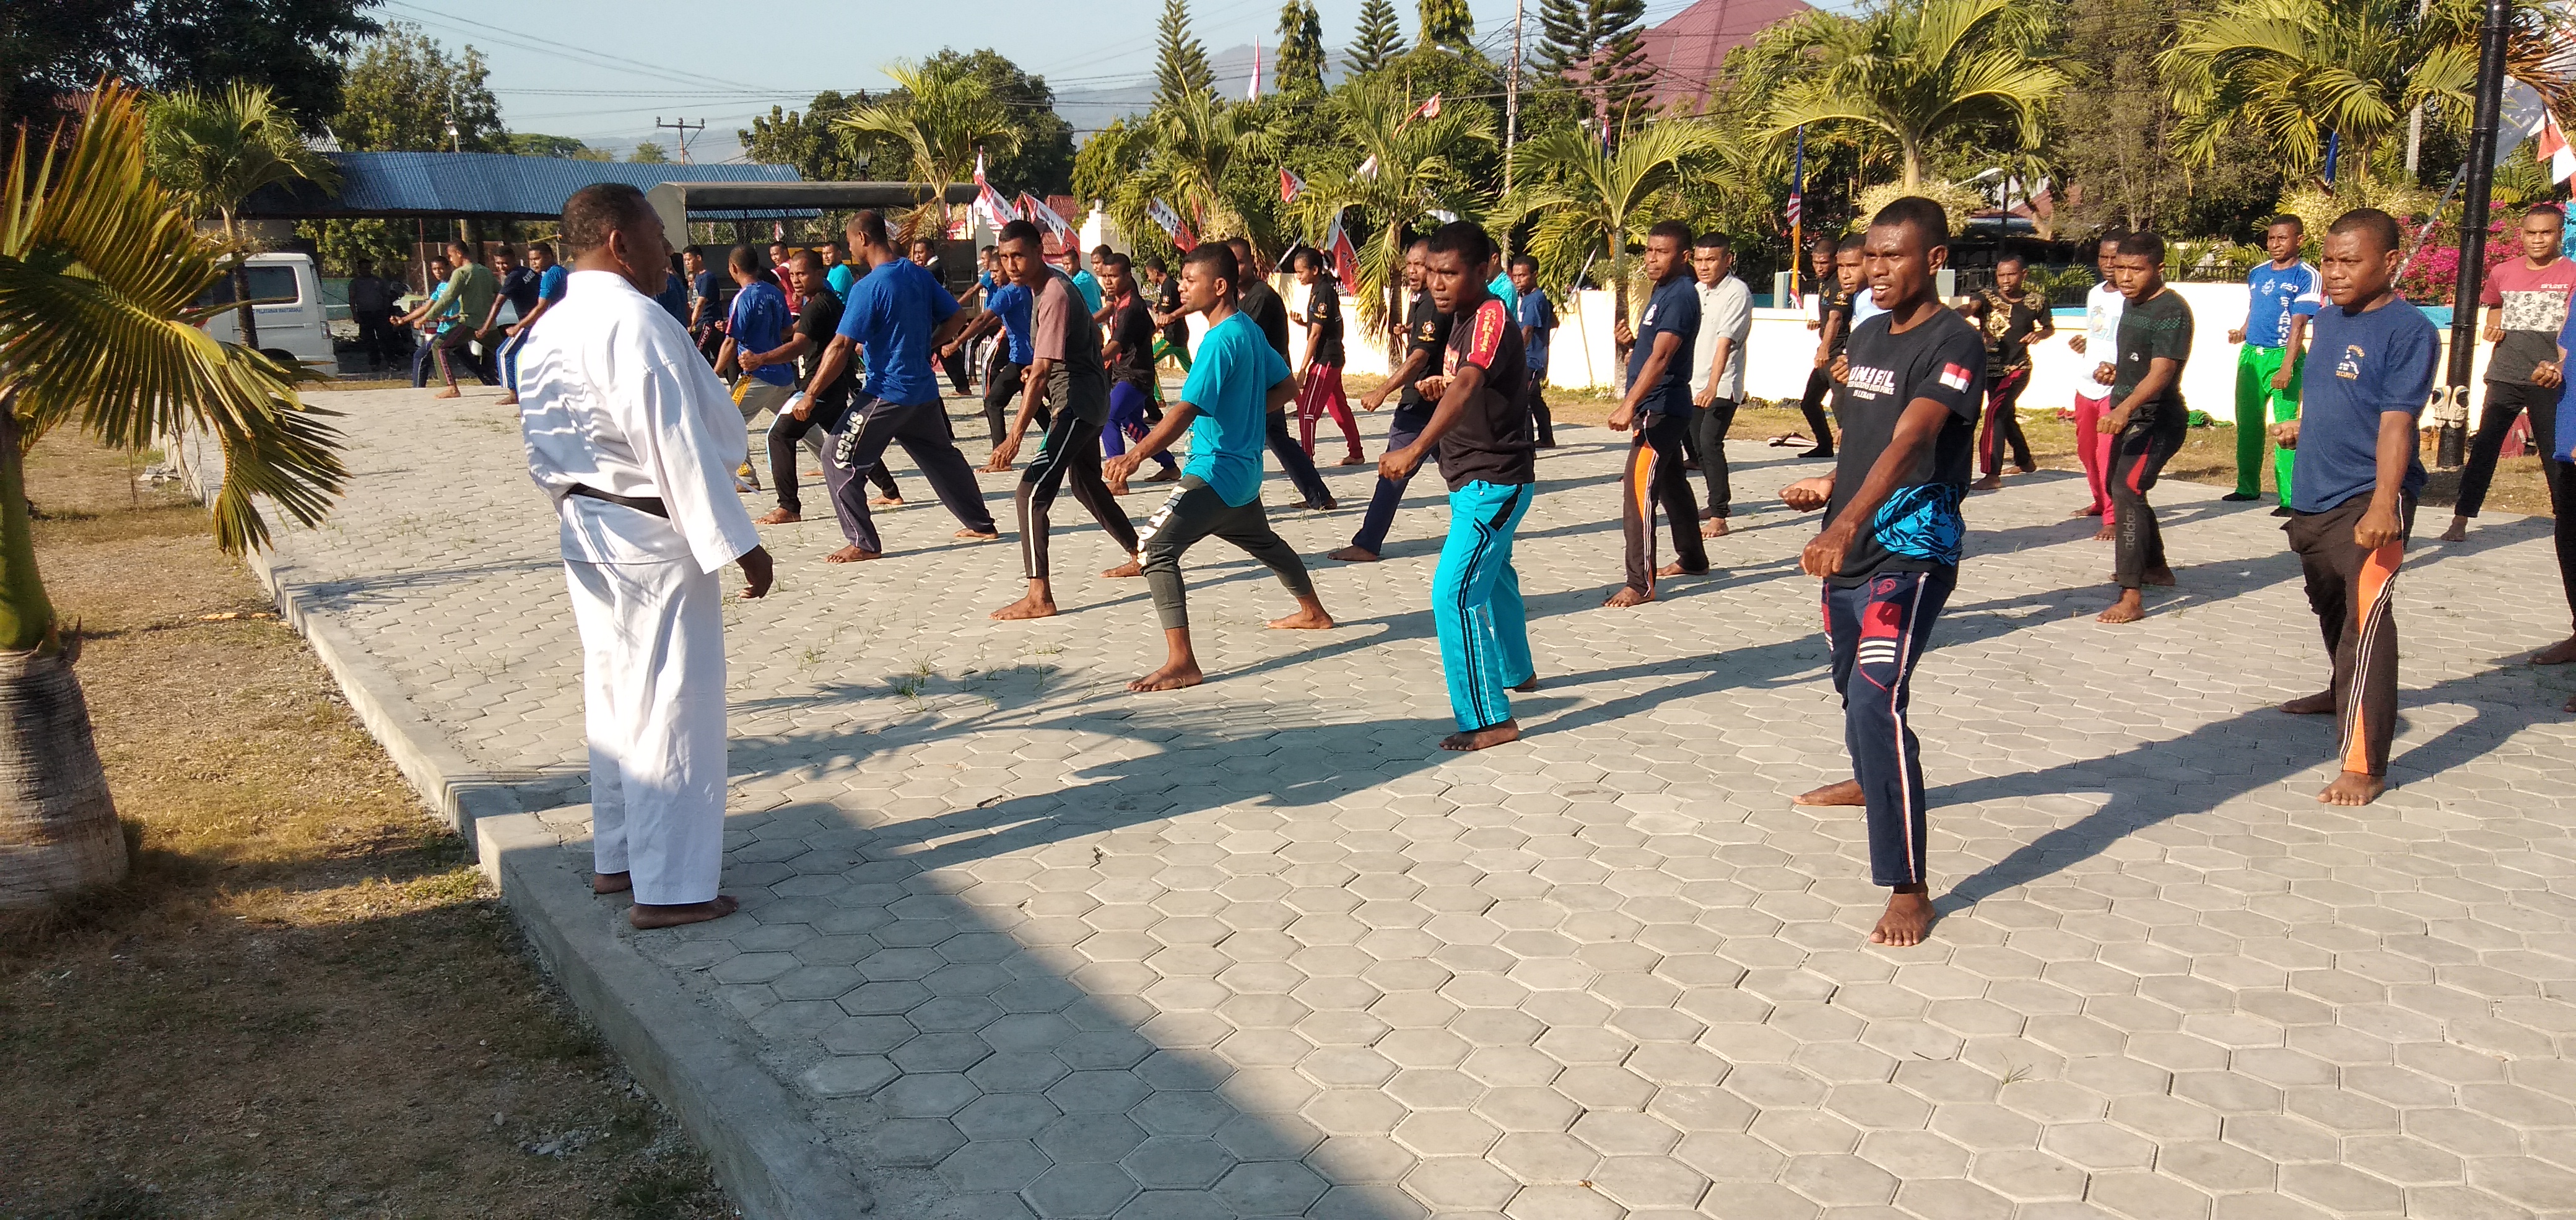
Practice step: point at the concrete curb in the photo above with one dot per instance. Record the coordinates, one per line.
(774, 1162)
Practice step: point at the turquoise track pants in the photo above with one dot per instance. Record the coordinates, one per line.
(1476, 604)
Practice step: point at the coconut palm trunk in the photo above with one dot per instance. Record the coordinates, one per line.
(245, 317)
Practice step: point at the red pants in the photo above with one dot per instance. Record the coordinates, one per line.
(1321, 393)
(2094, 448)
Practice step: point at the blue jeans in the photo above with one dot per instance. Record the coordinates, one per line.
(1380, 516)
(1127, 406)
(1879, 630)
(1476, 604)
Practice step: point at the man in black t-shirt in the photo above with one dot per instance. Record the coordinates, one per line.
(2147, 420)
(814, 417)
(1129, 348)
(1827, 290)
(1258, 301)
(1913, 384)
(1659, 404)
(1320, 384)
(1481, 430)
(1426, 335)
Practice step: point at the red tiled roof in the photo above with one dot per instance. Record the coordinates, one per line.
(1687, 49)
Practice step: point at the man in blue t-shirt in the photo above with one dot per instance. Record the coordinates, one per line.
(551, 280)
(2281, 296)
(1659, 405)
(897, 315)
(1006, 309)
(758, 321)
(2359, 474)
(1537, 320)
(1236, 380)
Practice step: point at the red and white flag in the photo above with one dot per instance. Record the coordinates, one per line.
(1034, 208)
(997, 210)
(1956, 376)
(2553, 150)
(1254, 94)
(1345, 256)
(1169, 222)
(1290, 185)
(1429, 109)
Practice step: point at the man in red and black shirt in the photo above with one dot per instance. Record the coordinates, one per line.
(1481, 431)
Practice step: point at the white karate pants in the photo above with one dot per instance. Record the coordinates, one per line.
(652, 640)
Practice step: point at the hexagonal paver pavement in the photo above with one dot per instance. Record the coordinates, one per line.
(1035, 947)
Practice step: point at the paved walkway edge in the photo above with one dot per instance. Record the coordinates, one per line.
(773, 1162)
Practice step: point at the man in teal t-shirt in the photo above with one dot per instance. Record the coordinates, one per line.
(1236, 380)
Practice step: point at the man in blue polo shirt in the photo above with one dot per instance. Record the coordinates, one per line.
(1659, 404)
(2281, 296)
(898, 315)
(758, 321)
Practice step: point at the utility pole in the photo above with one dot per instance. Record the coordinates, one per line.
(685, 128)
(1511, 117)
(2451, 410)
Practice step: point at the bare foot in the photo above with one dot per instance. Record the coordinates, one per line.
(2108, 533)
(611, 883)
(1492, 735)
(1354, 554)
(1845, 793)
(777, 516)
(2130, 608)
(886, 502)
(2318, 704)
(2160, 577)
(1303, 620)
(506, 400)
(1325, 505)
(1714, 527)
(2559, 653)
(1992, 482)
(1169, 677)
(1528, 685)
(1026, 607)
(1168, 474)
(645, 915)
(1627, 597)
(2459, 531)
(851, 554)
(2353, 788)
(1125, 570)
(1674, 569)
(449, 392)
(2086, 511)
(1908, 917)
(971, 534)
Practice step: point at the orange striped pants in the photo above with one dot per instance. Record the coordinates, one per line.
(2352, 591)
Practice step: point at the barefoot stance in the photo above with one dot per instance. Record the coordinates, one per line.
(1125, 570)
(851, 554)
(647, 916)
(2353, 788)
(1527, 687)
(777, 516)
(1715, 527)
(1992, 482)
(1845, 793)
(2106, 534)
(976, 535)
(1354, 554)
(2130, 608)
(2459, 531)
(887, 502)
(1489, 736)
(1170, 677)
(1303, 620)
(1908, 917)
(2559, 653)
(2086, 511)
(1027, 607)
(1626, 597)
(2318, 704)
(611, 883)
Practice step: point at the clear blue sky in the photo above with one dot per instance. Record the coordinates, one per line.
(603, 70)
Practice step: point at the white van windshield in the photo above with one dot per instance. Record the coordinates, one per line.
(268, 285)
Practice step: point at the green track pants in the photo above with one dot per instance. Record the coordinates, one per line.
(2258, 405)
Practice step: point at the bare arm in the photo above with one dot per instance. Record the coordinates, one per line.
(1176, 420)
(1461, 389)
(2162, 372)
(1916, 430)
(1416, 362)
(1032, 392)
(2382, 524)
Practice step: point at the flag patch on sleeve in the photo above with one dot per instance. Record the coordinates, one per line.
(1954, 376)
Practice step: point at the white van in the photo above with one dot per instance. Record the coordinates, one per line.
(290, 310)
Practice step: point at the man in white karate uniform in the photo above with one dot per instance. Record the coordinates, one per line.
(636, 442)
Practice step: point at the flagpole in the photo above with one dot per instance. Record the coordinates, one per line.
(1798, 214)
(1511, 119)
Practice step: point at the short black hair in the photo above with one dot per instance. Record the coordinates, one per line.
(1824, 242)
(1714, 240)
(1523, 260)
(2284, 218)
(1244, 254)
(931, 242)
(1155, 264)
(870, 225)
(1305, 255)
(1020, 230)
(2377, 223)
(2111, 237)
(743, 260)
(1677, 231)
(2008, 256)
(1115, 259)
(1420, 242)
(1927, 218)
(2549, 210)
(539, 247)
(1850, 244)
(1464, 238)
(597, 210)
(1217, 258)
(2143, 244)
(802, 257)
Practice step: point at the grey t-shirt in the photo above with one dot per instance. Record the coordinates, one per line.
(1061, 331)
(1725, 312)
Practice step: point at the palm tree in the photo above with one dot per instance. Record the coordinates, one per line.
(1197, 143)
(1594, 200)
(98, 265)
(214, 149)
(2293, 71)
(1414, 172)
(1911, 71)
(941, 117)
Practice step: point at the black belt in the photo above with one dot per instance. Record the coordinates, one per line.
(641, 504)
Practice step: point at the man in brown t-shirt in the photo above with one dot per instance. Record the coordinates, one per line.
(1064, 374)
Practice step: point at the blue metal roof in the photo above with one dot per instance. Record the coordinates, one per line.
(486, 184)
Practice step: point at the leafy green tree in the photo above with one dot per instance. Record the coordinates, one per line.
(51, 51)
(1911, 72)
(1379, 40)
(1447, 24)
(99, 268)
(939, 118)
(212, 150)
(1592, 200)
(648, 152)
(531, 144)
(1597, 46)
(1180, 63)
(1041, 160)
(404, 90)
(1301, 49)
(1416, 166)
(812, 140)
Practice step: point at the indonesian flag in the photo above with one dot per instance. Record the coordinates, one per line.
(1034, 208)
(1169, 222)
(997, 210)
(1955, 376)
(2553, 150)
(1290, 185)
(1338, 247)
(1254, 94)
(1429, 109)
